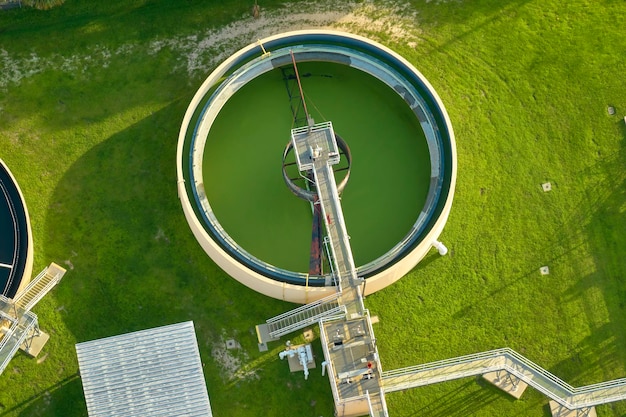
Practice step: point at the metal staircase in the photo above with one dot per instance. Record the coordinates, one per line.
(299, 318)
(39, 287)
(18, 325)
(511, 364)
(15, 327)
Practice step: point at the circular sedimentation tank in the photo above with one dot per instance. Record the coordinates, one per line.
(16, 240)
(232, 145)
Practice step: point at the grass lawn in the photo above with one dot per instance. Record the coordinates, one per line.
(92, 95)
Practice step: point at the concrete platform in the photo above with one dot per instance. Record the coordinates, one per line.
(558, 410)
(263, 334)
(504, 381)
(36, 344)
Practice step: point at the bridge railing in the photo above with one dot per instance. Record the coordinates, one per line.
(304, 308)
(513, 363)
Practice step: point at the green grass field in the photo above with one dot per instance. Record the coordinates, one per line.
(92, 95)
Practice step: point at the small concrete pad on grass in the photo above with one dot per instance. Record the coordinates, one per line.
(36, 343)
(294, 361)
(507, 383)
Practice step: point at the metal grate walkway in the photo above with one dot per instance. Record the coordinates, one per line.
(300, 318)
(512, 363)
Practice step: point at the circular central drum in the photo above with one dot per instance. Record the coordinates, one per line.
(232, 144)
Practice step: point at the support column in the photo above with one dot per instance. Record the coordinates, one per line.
(507, 382)
(558, 410)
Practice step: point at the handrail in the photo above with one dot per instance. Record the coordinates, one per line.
(15, 337)
(47, 279)
(508, 360)
(330, 369)
(30, 285)
(383, 402)
(333, 312)
(303, 308)
(36, 297)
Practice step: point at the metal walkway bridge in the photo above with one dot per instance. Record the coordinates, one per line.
(300, 317)
(506, 363)
(350, 351)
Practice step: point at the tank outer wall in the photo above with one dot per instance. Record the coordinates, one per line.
(28, 266)
(303, 294)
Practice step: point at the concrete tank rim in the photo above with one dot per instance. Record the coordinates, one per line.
(269, 286)
(28, 265)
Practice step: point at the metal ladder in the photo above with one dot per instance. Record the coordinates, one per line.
(39, 287)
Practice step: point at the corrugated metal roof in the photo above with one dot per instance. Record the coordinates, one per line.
(149, 373)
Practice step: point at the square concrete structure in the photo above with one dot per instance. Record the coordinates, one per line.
(149, 373)
(294, 362)
(508, 383)
(33, 346)
(308, 335)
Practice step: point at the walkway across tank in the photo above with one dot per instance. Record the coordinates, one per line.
(400, 158)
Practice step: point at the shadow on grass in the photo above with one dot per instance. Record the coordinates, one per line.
(600, 354)
(80, 23)
(484, 13)
(605, 232)
(65, 395)
(598, 223)
(506, 286)
(115, 222)
(463, 401)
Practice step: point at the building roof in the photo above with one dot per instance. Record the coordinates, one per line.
(149, 373)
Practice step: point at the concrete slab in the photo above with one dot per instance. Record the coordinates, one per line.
(263, 333)
(558, 410)
(309, 335)
(508, 383)
(35, 344)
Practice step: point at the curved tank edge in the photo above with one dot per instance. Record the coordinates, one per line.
(300, 293)
(28, 267)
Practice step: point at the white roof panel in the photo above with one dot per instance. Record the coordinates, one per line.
(149, 373)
